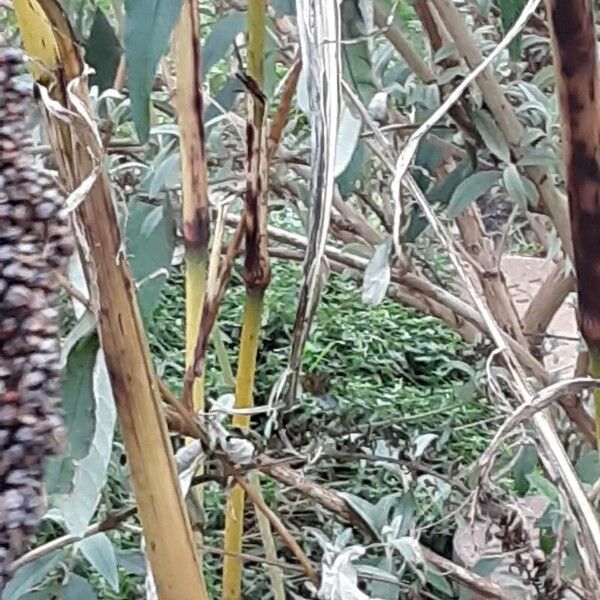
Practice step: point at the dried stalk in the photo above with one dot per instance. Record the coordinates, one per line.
(196, 220)
(319, 32)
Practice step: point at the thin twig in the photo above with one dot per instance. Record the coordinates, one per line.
(277, 524)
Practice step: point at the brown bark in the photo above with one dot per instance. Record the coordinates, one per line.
(491, 278)
(576, 60)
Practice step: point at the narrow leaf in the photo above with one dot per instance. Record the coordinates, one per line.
(492, 137)
(514, 186)
(148, 26)
(221, 37)
(103, 52)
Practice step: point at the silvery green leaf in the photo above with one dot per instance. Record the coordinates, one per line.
(78, 396)
(377, 275)
(588, 467)
(514, 186)
(29, 575)
(409, 549)
(544, 77)
(538, 157)
(492, 136)
(78, 508)
(438, 581)
(78, 588)
(152, 220)
(167, 175)
(447, 75)
(422, 443)
(78, 281)
(348, 134)
(532, 135)
(469, 190)
(446, 51)
(100, 553)
(339, 580)
(367, 511)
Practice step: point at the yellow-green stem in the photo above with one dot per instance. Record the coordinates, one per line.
(234, 515)
(595, 373)
(195, 286)
(257, 14)
(255, 256)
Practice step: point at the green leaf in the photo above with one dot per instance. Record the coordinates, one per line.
(366, 510)
(100, 553)
(30, 575)
(515, 187)
(384, 584)
(438, 581)
(356, 56)
(346, 181)
(132, 561)
(509, 13)
(58, 475)
(221, 38)
(524, 466)
(405, 507)
(150, 244)
(90, 476)
(409, 549)
(492, 137)
(225, 98)
(382, 509)
(544, 487)
(472, 188)
(148, 26)
(78, 588)
(588, 467)
(166, 175)
(103, 52)
(78, 398)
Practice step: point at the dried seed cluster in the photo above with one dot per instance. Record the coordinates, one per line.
(34, 243)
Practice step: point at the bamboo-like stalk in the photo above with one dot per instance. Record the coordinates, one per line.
(78, 152)
(256, 276)
(196, 226)
(578, 83)
(195, 217)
